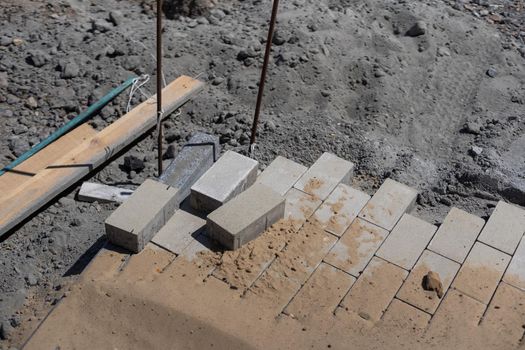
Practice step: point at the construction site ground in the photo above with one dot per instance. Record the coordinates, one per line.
(442, 112)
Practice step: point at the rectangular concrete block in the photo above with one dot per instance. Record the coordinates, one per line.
(456, 235)
(407, 241)
(481, 272)
(321, 293)
(505, 228)
(299, 207)
(340, 209)
(506, 313)
(324, 175)
(304, 253)
(229, 176)
(388, 204)
(292, 268)
(281, 175)
(272, 291)
(402, 315)
(180, 230)
(373, 291)
(246, 216)
(457, 311)
(515, 274)
(252, 260)
(141, 216)
(356, 247)
(412, 290)
(193, 160)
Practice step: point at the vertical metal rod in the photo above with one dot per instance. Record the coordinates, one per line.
(263, 72)
(159, 85)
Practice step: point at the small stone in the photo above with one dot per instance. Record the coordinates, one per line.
(443, 51)
(492, 72)
(37, 58)
(270, 126)
(379, 73)
(432, 282)
(170, 152)
(217, 81)
(101, 26)
(31, 102)
(5, 330)
(31, 280)
(203, 20)
(278, 38)
(472, 128)
(4, 82)
(70, 70)
(116, 18)
(476, 151)
(5, 41)
(132, 163)
(364, 315)
(18, 146)
(419, 28)
(172, 136)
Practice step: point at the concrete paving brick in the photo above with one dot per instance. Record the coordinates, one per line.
(281, 175)
(146, 265)
(515, 274)
(456, 236)
(273, 291)
(356, 247)
(106, 263)
(407, 241)
(299, 207)
(140, 217)
(179, 231)
(388, 204)
(324, 175)
(403, 315)
(340, 209)
(481, 272)
(240, 269)
(374, 289)
(193, 160)
(229, 176)
(506, 313)
(304, 253)
(321, 294)
(457, 311)
(245, 217)
(412, 290)
(505, 228)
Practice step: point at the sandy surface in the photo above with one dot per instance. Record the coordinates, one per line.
(156, 301)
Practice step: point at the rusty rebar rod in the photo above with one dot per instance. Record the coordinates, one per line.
(263, 72)
(159, 85)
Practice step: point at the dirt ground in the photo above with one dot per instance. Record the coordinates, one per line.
(442, 111)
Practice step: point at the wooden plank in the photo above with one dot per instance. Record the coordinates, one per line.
(26, 170)
(92, 153)
(93, 192)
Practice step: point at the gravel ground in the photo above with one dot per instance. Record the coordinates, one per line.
(429, 93)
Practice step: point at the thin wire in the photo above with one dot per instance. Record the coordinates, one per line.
(137, 85)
